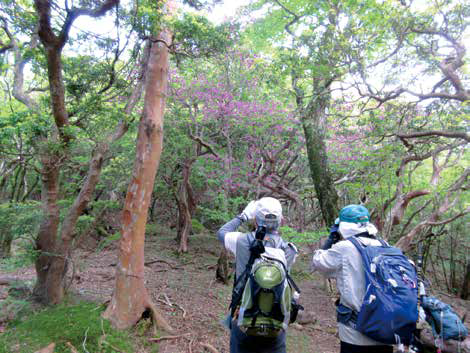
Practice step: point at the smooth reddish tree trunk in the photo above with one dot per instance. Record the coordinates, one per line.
(131, 299)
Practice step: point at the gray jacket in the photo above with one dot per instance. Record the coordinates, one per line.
(344, 263)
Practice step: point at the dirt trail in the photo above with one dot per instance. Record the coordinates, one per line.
(185, 290)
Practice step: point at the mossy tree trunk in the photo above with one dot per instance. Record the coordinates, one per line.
(465, 291)
(6, 239)
(186, 206)
(314, 121)
(46, 289)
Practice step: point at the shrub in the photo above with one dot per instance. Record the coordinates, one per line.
(19, 221)
(197, 226)
(292, 235)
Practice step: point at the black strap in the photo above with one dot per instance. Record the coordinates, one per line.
(371, 236)
(365, 235)
(346, 315)
(256, 248)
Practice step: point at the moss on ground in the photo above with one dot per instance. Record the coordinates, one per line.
(80, 324)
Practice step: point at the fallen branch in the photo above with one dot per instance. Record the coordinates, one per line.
(190, 345)
(49, 349)
(166, 301)
(72, 348)
(84, 340)
(111, 346)
(102, 340)
(162, 261)
(182, 309)
(163, 338)
(209, 347)
(169, 303)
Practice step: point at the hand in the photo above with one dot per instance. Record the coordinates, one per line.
(249, 211)
(333, 238)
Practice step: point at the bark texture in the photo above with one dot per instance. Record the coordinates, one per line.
(465, 292)
(55, 249)
(47, 236)
(131, 299)
(186, 206)
(314, 129)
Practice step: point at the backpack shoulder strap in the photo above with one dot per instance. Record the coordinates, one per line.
(240, 282)
(362, 250)
(357, 244)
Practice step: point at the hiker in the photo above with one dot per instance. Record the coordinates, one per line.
(267, 215)
(340, 259)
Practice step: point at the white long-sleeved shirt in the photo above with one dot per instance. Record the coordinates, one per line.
(344, 263)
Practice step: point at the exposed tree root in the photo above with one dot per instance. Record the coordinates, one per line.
(158, 320)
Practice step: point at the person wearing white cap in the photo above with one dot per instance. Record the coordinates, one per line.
(340, 259)
(265, 212)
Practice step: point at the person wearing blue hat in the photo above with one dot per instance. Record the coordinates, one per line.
(339, 259)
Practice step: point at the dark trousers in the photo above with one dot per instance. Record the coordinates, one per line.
(242, 343)
(352, 348)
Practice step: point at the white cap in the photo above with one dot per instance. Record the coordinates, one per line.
(268, 206)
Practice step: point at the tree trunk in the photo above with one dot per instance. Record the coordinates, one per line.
(186, 207)
(465, 292)
(314, 125)
(131, 299)
(6, 239)
(58, 262)
(46, 239)
(53, 248)
(223, 269)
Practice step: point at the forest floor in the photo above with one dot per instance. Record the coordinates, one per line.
(185, 290)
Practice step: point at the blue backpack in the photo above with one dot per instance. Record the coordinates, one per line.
(389, 311)
(444, 321)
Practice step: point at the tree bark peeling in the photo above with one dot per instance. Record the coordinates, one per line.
(131, 299)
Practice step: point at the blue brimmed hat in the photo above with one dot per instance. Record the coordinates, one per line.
(354, 214)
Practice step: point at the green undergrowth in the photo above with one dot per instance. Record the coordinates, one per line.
(21, 259)
(80, 324)
(292, 235)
